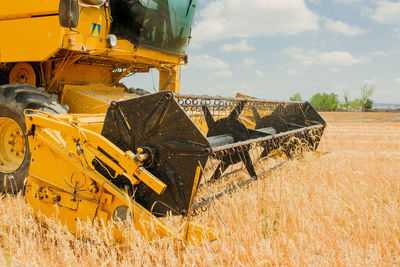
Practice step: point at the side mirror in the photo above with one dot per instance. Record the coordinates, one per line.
(69, 13)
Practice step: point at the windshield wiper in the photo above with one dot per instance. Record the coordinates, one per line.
(190, 4)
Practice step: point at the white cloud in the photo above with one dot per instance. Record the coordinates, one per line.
(223, 73)
(397, 80)
(387, 12)
(242, 46)
(378, 53)
(207, 62)
(249, 62)
(232, 18)
(314, 57)
(343, 28)
(260, 74)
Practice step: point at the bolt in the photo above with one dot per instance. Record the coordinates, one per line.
(10, 142)
(17, 132)
(12, 150)
(114, 105)
(17, 154)
(12, 135)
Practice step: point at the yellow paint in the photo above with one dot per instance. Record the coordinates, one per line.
(12, 145)
(92, 98)
(27, 8)
(84, 74)
(169, 79)
(30, 39)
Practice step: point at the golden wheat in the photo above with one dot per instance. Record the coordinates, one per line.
(342, 208)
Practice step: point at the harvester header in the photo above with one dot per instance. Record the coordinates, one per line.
(178, 134)
(157, 151)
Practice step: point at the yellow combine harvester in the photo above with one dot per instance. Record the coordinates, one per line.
(119, 155)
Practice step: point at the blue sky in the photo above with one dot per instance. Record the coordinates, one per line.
(274, 48)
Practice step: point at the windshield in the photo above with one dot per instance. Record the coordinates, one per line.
(167, 24)
(159, 24)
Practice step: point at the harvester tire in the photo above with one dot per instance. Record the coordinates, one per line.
(3, 77)
(15, 156)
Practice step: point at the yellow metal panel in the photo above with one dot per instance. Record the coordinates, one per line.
(91, 33)
(168, 83)
(33, 39)
(92, 99)
(26, 8)
(126, 50)
(70, 209)
(86, 74)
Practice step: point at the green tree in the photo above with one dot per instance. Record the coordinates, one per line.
(366, 102)
(356, 104)
(296, 98)
(325, 102)
(346, 103)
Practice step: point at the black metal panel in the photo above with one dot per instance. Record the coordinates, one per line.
(158, 122)
(164, 124)
(290, 116)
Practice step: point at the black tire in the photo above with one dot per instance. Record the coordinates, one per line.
(3, 77)
(14, 99)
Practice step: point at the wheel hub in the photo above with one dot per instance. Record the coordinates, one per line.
(12, 145)
(22, 73)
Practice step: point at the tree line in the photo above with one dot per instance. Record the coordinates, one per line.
(331, 102)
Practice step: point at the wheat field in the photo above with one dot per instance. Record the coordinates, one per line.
(342, 208)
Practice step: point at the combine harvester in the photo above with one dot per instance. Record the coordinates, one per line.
(118, 155)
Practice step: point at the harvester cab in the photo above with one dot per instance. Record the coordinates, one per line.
(118, 156)
(156, 24)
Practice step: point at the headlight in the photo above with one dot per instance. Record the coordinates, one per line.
(111, 40)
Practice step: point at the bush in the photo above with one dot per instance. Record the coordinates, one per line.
(325, 102)
(296, 98)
